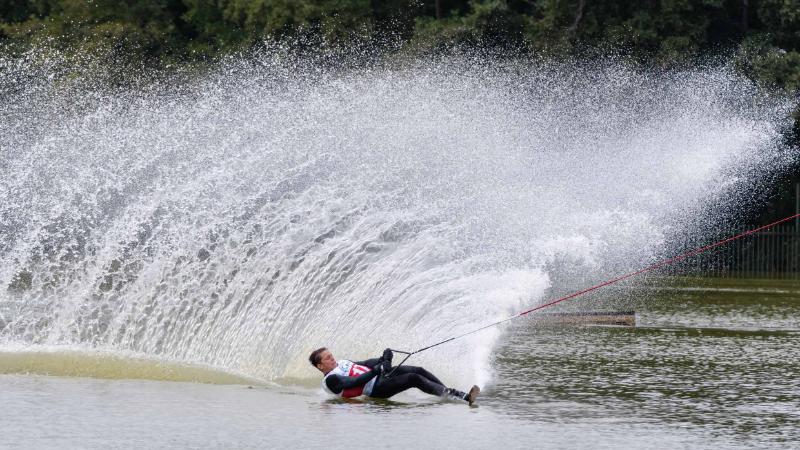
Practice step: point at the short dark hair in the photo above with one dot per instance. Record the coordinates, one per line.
(316, 356)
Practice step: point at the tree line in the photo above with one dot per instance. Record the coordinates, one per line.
(765, 34)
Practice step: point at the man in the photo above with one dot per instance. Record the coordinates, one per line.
(350, 379)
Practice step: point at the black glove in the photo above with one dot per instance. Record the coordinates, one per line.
(386, 361)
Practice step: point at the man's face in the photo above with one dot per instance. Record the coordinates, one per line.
(327, 362)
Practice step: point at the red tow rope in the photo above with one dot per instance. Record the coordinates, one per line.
(649, 268)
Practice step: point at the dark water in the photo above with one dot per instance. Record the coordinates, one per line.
(719, 358)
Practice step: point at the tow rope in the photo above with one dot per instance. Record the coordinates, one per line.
(649, 268)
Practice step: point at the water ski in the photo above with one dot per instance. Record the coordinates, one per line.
(473, 394)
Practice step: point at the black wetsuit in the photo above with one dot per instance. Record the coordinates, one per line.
(403, 377)
(406, 377)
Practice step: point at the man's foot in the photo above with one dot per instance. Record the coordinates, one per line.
(473, 394)
(458, 395)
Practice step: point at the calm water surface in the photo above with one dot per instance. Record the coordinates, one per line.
(707, 367)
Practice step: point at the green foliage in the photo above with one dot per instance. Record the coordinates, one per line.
(479, 23)
(779, 68)
(221, 24)
(765, 34)
(136, 27)
(781, 18)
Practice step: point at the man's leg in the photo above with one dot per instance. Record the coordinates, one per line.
(401, 370)
(387, 387)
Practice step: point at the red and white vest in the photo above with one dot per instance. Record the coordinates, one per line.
(347, 368)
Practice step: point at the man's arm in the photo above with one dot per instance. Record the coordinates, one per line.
(385, 360)
(338, 383)
(369, 362)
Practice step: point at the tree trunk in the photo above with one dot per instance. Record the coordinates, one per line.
(579, 15)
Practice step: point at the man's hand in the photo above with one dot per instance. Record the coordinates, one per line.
(386, 361)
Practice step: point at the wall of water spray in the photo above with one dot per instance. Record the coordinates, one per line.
(244, 217)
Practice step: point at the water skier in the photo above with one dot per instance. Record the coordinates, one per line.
(353, 378)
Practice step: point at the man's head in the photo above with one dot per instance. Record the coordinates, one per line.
(323, 360)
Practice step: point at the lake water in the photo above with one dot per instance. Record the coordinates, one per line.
(709, 365)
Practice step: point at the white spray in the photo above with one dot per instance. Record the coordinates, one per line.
(275, 206)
